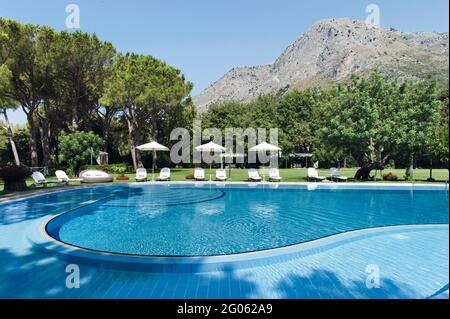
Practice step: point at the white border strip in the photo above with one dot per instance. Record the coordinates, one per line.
(39, 237)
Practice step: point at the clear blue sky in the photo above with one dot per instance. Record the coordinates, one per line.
(206, 38)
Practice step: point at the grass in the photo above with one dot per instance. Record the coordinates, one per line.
(289, 175)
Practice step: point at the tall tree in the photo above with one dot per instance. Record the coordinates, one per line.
(5, 103)
(81, 60)
(18, 52)
(144, 89)
(359, 118)
(417, 121)
(44, 58)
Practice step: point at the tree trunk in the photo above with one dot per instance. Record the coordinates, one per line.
(134, 140)
(11, 138)
(155, 137)
(379, 156)
(106, 137)
(431, 171)
(74, 118)
(154, 161)
(372, 151)
(32, 140)
(43, 129)
(74, 112)
(410, 169)
(137, 141)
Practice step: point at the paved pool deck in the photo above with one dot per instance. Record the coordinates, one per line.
(413, 262)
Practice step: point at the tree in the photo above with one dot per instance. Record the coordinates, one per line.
(145, 90)
(417, 121)
(298, 129)
(5, 103)
(21, 51)
(359, 118)
(77, 148)
(82, 62)
(48, 70)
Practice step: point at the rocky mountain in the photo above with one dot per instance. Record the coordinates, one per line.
(333, 50)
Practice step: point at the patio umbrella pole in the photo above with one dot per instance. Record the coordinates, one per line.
(153, 165)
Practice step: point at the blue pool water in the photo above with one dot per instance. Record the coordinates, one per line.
(188, 220)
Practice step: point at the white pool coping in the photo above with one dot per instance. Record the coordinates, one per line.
(40, 239)
(309, 185)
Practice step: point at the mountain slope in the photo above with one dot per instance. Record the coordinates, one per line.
(333, 50)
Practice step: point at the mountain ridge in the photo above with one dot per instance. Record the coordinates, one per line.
(332, 50)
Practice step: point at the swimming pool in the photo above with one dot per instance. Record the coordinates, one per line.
(208, 219)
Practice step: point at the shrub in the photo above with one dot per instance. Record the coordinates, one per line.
(190, 176)
(390, 177)
(77, 148)
(120, 170)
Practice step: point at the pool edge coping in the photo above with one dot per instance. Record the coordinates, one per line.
(68, 188)
(39, 238)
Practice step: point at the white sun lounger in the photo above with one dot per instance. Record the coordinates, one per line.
(314, 176)
(253, 175)
(335, 175)
(164, 174)
(199, 174)
(274, 175)
(221, 175)
(63, 178)
(141, 174)
(39, 179)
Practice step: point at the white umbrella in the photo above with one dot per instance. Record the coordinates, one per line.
(210, 147)
(265, 147)
(153, 146)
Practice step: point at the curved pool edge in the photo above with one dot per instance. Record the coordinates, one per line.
(41, 240)
(309, 185)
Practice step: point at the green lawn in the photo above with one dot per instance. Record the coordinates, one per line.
(299, 175)
(289, 175)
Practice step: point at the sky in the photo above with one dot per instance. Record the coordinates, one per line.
(206, 38)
